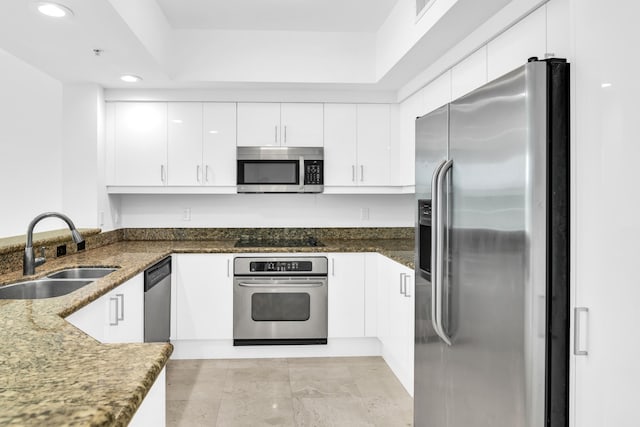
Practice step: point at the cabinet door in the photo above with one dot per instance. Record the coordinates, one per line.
(340, 138)
(469, 74)
(124, 312)
(90, 319)
(140, 138)
(346, 295)
(373, 145)
(204, 297)
(511, 49)
(302, 125)
(185, 143)
(219, 149)
(258, 124)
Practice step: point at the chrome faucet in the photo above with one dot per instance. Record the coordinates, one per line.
(30, 262)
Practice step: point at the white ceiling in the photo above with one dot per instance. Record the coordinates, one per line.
(281, 15)
(313, 44)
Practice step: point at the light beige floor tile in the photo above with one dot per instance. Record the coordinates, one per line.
(261, 373)
(192, 413)
(319, 373)
(197, 364)
(255, 413)
(389, 412)
(195, 385)
(380, 387)
(257, 389)
(330, 412)
(257, 363)
(380, 371)
(324, 388)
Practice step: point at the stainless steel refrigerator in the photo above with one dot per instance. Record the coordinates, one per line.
(492, 254)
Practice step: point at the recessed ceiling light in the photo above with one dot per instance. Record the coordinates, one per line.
(54, 10)
(130, 78)
(605, 85)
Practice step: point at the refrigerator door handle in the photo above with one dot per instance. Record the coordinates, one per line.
(440, 229)
(435, 257)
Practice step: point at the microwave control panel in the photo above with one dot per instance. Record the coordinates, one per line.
(313, 172)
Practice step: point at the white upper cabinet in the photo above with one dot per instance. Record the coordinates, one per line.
(275, 124)
(139, 143)
(357, 145)
(185, 143)
(258, 124)
(512, 48)
(219, 144)
(175, 144)
(469, 74)
(302, 125)
(436, 94)
(373, 144)
(340, 144)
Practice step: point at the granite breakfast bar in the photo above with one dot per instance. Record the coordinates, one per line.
(52, 373)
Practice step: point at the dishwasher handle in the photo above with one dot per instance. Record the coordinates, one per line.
(157, 273)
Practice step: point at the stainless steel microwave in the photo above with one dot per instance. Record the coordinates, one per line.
(280, 169)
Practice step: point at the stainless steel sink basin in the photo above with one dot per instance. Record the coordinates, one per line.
(82, 273)
(43, 288)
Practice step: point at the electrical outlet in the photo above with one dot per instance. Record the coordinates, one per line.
(364, 214)
(61, 250)
(186, 214)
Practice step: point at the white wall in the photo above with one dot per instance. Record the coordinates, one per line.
(266, 210)
(30, 145)
(266, 56)
(81, 131)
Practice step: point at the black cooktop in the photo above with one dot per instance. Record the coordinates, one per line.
(278, 243)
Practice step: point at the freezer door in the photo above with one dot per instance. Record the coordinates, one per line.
(429, 369)
(493, 309)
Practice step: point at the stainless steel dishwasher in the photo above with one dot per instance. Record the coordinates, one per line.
(157, 302)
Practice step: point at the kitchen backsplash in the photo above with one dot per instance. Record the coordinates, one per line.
(12, 249)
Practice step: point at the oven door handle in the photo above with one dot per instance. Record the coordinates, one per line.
(281, 284)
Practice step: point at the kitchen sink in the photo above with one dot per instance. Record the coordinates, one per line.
(42, 288)
(82, 273)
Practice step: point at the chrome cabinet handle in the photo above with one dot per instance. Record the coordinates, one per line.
(285, 134)
(162, 178)
(406, 288)
(353, 173)
(115, 322)
(333, 266)
(361, 173)
(206, 173)
(121, 315)
(198, 173)
(228, 267)
(276, 137)
(580, 345)
(440, 182)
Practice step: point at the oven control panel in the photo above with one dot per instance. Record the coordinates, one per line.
(293, 266)
(280, 266)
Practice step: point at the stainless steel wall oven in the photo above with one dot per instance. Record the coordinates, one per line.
(280, 300)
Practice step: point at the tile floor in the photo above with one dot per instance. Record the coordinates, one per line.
(343, 391)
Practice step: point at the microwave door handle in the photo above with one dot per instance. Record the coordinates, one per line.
(301, 173)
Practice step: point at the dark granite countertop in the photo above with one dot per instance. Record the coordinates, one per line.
(53, 374)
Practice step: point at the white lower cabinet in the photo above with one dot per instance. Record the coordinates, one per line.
(203, 288)
(116, 317)
(152, 410)
(396, 318)
(346, 301)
